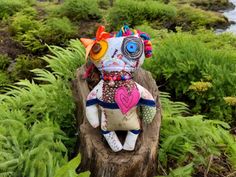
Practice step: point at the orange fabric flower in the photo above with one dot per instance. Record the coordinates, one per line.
(100, 35)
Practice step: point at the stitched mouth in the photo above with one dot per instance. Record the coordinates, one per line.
(113, 62)
(114, 65)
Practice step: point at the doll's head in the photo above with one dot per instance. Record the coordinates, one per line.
(124, 50)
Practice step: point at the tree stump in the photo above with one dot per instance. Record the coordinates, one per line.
(97, 157)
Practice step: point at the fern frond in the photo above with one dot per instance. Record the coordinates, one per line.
(44, 75)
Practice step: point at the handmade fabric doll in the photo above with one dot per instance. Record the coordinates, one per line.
(117, 55)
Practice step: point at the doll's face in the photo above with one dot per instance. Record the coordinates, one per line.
(118, 53)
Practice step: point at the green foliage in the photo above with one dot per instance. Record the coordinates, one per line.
(23, 65)
(80, 9)
(23, 22)
(206, 4)
(222, 42)
(56, 30)
(104, 4)
(191, 60)
(9, 7)
(191, 18)
(185, 171)
(4, 79)
(192, 140)
(136, 12)
(29, 150)
(4, 62)
(34, 34)
(64, 62)
(32, 141)
(25, 29)
(69, 169)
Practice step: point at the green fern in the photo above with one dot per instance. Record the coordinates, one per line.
(185, 171)
(68, 170)
(64, 62)
(186, 140)
(37, 120)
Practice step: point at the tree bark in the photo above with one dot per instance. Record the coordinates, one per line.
(97, 157)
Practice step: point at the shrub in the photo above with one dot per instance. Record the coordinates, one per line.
(32, 140)
(9, 7)
(182, 59)
(4, 79)
(136, 12)
(23, 66)
(56, 30)
(206, 4)
(25, 30)
(22, 23)
(224, 41)
(191, 140)
(31, 41)
(80, 9)
(191, 18)
(4, 62)
(34, 34)
(104, 4)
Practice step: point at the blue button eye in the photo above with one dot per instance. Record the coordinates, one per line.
(131, 47)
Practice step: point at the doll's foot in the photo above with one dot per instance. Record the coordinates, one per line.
(130, 140)
(112, 140)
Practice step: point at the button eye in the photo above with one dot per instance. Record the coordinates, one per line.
(131, 47)
(96, 48)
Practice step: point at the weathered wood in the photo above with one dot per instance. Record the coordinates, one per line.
(97, 157)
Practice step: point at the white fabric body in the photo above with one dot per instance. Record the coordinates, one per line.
(111, 137)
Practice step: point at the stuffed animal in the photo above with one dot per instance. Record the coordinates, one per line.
(117, 55)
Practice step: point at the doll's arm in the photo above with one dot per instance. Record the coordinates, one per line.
(91, 107)
(148, 104)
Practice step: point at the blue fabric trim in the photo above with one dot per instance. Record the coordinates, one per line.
(136, 132)
(147, 102)
(91, 102)
(115, 106)
(108, 105)
(105, 132)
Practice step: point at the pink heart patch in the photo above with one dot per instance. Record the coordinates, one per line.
(126, 100)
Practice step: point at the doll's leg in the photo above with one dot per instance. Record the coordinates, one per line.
(112, 140)
(130, 140)
(110, 136)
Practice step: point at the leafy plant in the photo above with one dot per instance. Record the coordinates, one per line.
(34, 34)
(194, 141)
(206, 4)
(185, 171)
(4, 79)
(25, 29)
(190, 18)
(22, 23)
(56, 31)
(80, 9)
(136, 12)
(59, 60)
(69, 169)
(33, 133)
(9, 7)
(4, 62)
(23, 65)
(189, 61)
